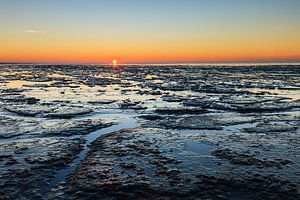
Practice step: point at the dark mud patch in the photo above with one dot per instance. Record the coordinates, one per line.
(197, 122)
(271, 128)
(30, 164)
(247, 158)
(53, 111)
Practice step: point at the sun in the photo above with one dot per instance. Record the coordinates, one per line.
(114, 62)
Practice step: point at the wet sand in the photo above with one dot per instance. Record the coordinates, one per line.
(149, 132)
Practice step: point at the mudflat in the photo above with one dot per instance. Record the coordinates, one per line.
(149, 132)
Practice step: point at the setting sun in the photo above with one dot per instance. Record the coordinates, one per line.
(115, 62)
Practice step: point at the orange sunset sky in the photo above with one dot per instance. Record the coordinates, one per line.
(158, 31)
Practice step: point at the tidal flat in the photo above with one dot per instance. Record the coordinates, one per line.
(149, 132)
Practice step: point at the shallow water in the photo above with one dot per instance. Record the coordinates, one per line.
(200, 148)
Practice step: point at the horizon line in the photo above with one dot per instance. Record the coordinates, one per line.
(155, 63)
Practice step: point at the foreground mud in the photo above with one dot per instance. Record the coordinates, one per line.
(149, 132)
(145, 163)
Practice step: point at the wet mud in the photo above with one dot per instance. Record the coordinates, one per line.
(149, 132)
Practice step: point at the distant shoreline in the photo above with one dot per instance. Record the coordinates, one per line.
(152, 64)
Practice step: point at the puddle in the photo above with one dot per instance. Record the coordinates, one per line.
(293, 94)
(200, 148)
(196, 131)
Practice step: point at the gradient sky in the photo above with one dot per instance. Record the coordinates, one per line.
(152, 31)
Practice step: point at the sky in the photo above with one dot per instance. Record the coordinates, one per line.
(149, 31)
